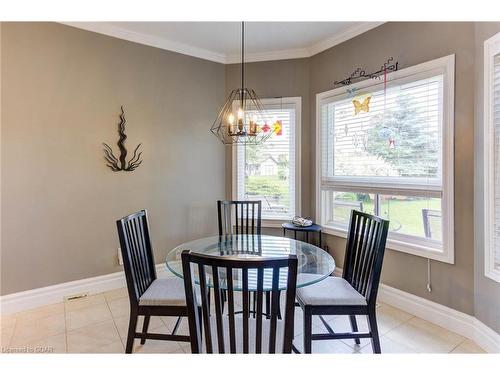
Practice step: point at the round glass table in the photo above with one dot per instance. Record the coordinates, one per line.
(314, 264)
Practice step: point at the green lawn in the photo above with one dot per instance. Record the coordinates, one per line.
(405, 215)
(270, 186)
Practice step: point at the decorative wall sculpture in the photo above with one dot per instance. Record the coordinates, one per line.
(120, 164)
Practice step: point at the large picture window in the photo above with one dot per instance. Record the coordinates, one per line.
(270, 172)
(492, 156)
(386, 147)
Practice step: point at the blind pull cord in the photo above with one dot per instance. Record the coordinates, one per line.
(429, 287)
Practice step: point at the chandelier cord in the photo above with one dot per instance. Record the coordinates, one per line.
(242, 60)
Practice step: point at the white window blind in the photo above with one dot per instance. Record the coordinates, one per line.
(496, 125)
(268, 172)
(382, 151)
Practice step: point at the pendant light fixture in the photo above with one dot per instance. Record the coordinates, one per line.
(242, 119)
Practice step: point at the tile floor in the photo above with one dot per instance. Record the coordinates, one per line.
(98, 324)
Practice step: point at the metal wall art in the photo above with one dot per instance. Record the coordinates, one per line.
(121, 164)
(359, 73)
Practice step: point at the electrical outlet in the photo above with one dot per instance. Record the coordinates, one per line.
(120, 259)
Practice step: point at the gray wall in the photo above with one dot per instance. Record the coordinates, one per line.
(410, 44)
(486, 291)
(61, 94)
(282, 78)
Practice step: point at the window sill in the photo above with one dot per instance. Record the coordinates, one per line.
(392, 244)
(493, 274)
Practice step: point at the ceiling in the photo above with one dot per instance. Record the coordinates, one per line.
(221, 41)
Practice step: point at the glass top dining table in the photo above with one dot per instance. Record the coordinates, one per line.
(314, 264)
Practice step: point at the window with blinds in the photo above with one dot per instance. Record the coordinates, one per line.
(385, 149)
(492, 157)
(269, 172)
(496, 124)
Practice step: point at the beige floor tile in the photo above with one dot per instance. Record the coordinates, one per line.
(88, 339)
(119, 307)
(389, 317)
(388, 346)
(39, 313)
(468, 347)
(80, 303)
(7, 320)
(26, 332)
(5, 336)
(156, 325)
(324, 346)
(49, 345)
(116, 294)
(115, 347)
(425, 337)
(87, 316)
(157, 346)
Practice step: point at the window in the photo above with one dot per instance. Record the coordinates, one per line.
(387, 149)
(270, 172)
(492, 156)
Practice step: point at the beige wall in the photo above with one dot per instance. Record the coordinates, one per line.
(487, 291)
(61, 94)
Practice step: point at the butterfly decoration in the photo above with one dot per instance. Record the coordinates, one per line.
(278, 127)
(266, 128)
(364, 106)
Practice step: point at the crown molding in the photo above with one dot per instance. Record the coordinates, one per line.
(108, 28)
(347, 34)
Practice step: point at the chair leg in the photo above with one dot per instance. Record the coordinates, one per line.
(145, 326)
(372, 324)
(131, 332)
(307, 332)
(354, 327)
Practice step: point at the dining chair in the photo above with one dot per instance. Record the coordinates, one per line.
(148, 295)
(247, 217)
(240, 217)
(354, 293)
(239, 333)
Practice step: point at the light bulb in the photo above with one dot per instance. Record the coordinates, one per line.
(240, 114)
(230, 119)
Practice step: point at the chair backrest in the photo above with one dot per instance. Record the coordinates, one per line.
(247, 217)
(431, 231)
(364, 254)
(137, 254)
(224, 273)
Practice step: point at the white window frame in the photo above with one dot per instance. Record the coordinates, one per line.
(445, 66)
(277, 103)
(491, 49)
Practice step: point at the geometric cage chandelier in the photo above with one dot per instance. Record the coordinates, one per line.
(242, 119)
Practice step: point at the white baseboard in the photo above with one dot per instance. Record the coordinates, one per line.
(30, 299)
(453, 320)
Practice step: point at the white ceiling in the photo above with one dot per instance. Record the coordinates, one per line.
(221, 41)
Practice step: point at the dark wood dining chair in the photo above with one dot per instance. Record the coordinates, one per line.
(240, 217)
(247, 217)
(148, 295)
(233, 333)
(354, 293)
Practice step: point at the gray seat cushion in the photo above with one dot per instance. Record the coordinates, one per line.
(330, 291)
(165, 292)
(266, 325)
